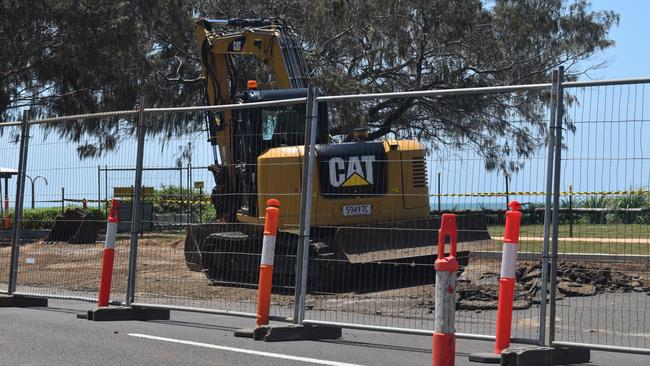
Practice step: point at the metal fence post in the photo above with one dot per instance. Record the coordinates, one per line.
(556, 201)
(506, 177)
(18, 213)
(439, 192)
(180, 193)
(302, 255)
(106, 189)
(190, 195)
(99, 187)
(570, 210)
(135, 208)
(547, 211)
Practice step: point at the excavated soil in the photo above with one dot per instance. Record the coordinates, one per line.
(161, 271)
(479, 291)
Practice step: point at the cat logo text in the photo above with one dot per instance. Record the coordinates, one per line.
(356, 171)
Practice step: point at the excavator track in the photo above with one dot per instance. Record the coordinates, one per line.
(361, 258)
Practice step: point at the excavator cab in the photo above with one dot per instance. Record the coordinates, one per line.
(256, 130)
(280, 125)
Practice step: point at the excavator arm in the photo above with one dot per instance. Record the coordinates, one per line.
(270, 41)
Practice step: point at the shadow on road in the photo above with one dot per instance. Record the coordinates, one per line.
(194, 325)
(376, 345)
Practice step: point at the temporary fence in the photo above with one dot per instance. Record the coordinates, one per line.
(390, 285)
(8, 153)
(215, 267)
(606, 150)
(359, 216)
(60, 255)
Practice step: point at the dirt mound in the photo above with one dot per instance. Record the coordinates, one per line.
(573, 279)
(75, 226)
(485, 297)
(582, 279)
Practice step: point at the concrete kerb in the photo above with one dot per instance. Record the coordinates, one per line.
(19, 301)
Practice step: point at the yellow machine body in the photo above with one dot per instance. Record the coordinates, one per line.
(406, 194)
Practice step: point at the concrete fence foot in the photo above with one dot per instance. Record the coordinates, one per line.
(255, 333)
(284, 333)
(485, 357)
(535, 356)
(17, 301)
(125, 313)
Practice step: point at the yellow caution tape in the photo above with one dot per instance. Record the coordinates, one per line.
(191, 201)
(568, 193)
(206, 199)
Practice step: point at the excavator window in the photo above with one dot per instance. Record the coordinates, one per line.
(269, 121)
(282, 126)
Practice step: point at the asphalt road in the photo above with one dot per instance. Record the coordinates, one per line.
(54, 336)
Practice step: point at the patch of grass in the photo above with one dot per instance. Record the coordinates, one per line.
(604, 232)
(610, 231)
(43, 218)
(589, 247)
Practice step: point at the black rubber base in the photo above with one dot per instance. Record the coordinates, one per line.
(16, 301)
(284, 333)
(544, 356)
(125, 313)
(485, 357)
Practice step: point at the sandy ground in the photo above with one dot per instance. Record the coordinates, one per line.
(161, 269)
(163, 277)
(62, 268)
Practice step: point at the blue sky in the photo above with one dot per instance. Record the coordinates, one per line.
(59, 164)
(629, 56)
(606, 151)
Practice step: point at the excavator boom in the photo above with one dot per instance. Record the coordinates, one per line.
(221, 41)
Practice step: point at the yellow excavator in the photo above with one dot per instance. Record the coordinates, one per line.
(370, 211)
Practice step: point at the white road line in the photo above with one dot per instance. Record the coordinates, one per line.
(243, 350)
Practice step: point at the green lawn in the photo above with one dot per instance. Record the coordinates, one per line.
(590, 247)
(610, 231)
(585, 231)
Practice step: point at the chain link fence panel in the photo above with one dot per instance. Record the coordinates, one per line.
(64, 221)
(206, 241)
(9, 156)
(377, 207)
(375, 210)
(604, 231)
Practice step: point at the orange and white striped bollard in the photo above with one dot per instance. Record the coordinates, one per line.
(109, 255)
(444, 337)
(507, 280)
(506, 287)
(266, 262)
